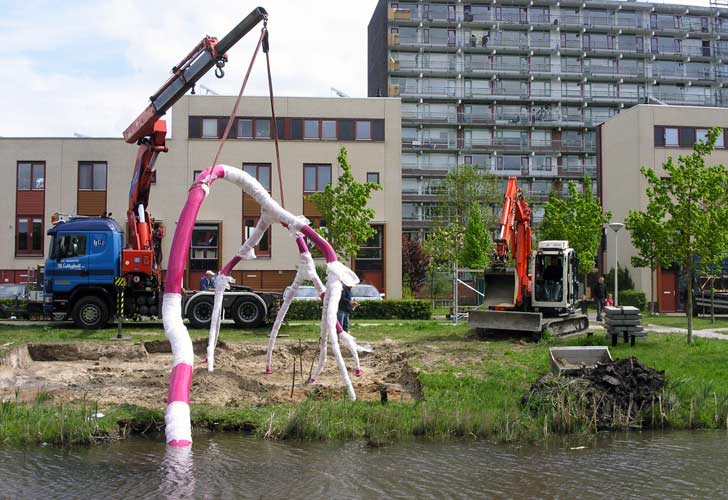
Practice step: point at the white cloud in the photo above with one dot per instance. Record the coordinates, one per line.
(314, 45)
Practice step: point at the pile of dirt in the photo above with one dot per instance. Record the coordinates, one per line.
(609, 396)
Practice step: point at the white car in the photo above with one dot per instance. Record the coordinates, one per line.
(360, 293)
(305, 293)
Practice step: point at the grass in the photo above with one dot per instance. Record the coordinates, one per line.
(682, 322)
(478, 395)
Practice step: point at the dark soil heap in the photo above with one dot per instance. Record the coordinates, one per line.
(609, 396)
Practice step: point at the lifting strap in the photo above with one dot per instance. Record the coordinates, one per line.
(240, 95)
(262, 41)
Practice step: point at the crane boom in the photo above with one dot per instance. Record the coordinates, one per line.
(148, 130)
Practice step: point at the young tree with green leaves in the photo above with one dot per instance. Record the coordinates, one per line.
(462, 189)
(477, 246)
(647, 234)
(693, 199)
(344, 208)
(579, 219)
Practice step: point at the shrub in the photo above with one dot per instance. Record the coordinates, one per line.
(368, 309)
(634, 298)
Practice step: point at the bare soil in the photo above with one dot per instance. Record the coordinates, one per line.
(138, 373)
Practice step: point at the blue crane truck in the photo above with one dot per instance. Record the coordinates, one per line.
(82, 282)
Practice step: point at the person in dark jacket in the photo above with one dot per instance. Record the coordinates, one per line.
(599, 294)
(344, 307)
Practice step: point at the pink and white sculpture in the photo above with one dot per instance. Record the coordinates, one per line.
(177, 416)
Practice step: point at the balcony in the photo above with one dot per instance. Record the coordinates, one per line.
(512, 18)
(682, 98)
(540, 18)
(478, 118)
(510, 42)
(401, 14)
(599, 21)
(478, 15)
(432, 91)
(512, 118)
(601, 71)
(696, 25)
(701, 51)
(435, 118)
(600, 46)
(429, 143)
(570, 20)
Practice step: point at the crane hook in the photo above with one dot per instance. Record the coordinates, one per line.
(218, 70)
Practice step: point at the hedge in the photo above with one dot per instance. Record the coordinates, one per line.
(367, 309)
(634, 298)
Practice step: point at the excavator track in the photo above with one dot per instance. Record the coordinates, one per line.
(530, 324)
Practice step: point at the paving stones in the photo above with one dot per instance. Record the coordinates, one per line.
(624, 322)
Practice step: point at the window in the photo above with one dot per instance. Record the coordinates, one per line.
(263, 247)
(316, 177)
(262, 128)
(245, 128)
(701, 134)
(29, 235)
(370, 254)
(373, 177)
(671, 136)
(209, 127)
(311, 129)
(261, 172)
(31, 176)
(92, 176)
(204, 247)
(70, 246)
(363, 130)
(328, 129)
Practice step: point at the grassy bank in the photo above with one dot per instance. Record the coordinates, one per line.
(471, 389)
(701, 323)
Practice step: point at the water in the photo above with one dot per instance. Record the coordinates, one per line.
(672, 465)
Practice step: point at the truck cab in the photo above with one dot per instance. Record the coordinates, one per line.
(83, 261)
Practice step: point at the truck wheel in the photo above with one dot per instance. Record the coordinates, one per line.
(247, 312)
(200, 312)
(90, 313)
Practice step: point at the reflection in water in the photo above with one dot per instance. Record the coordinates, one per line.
(177, 473)
(673, 465)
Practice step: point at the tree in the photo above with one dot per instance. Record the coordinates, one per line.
(647, 234)
(692, 199)
(578, 218)
(344, 208)
(414, 263)
(477, 245)
(462, 189)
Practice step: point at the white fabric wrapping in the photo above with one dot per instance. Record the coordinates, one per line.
(176, 330)
(177, 422)
(306, 271)
(267, 204)
(328, 325)
(247, 251)
(222, 283)
(341, 273)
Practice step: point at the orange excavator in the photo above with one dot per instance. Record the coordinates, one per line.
(528, 290)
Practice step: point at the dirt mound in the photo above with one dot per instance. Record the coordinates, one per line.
(609, 396)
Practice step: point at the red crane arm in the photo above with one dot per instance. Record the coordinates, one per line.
(149, 131)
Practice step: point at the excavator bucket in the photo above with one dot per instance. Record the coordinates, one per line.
(501, 289)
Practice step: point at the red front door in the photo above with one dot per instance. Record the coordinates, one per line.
(667, 291)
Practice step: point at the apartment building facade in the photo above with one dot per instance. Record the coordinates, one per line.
(647, 135)
(91, 176)
(518, 86)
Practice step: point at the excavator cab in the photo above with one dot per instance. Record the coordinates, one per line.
(553, 268)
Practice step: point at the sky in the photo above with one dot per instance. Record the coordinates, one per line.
(88, 67)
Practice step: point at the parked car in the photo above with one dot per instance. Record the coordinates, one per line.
(365, 292)
(305, 293)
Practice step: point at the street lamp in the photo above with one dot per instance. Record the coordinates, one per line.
(615, 226)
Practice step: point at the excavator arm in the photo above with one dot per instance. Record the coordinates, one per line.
(149, 131)
(506, 288)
